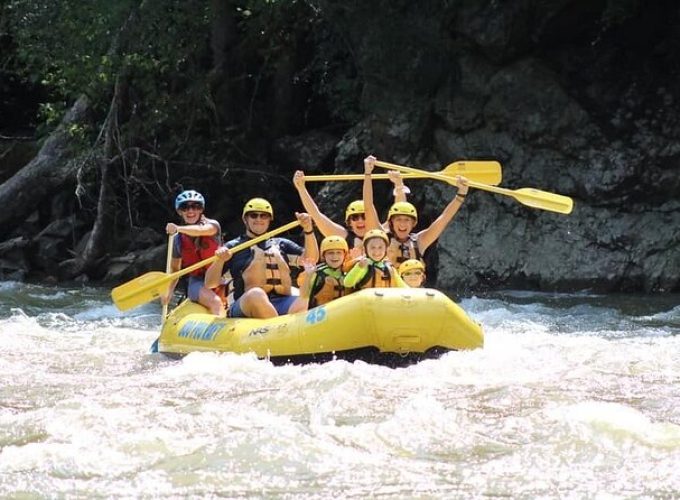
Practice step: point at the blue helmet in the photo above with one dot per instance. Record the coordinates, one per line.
(189, 195)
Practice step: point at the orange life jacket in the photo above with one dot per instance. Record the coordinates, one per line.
(267, 270)
(326, 286)
(398, 252)
(382, 276)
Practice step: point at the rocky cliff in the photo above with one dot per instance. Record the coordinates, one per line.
(579, 98)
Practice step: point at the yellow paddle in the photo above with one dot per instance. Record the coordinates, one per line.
(488, 172)
(168, 262)
(531, 197)
(152, 285)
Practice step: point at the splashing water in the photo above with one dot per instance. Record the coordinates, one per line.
(572, 396)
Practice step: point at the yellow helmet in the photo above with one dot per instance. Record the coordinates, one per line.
(258, 205)
(411, 265)
(376, 233)
(333, 243)
(403, 208)
(356, 207)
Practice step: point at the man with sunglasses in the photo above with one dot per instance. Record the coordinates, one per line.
(355, 217)
(196, 240)
(261, 274)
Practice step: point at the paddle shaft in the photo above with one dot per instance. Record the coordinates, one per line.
(488, 170)
(528, 196)
(354, 177)
(168, 268)
(237, 248)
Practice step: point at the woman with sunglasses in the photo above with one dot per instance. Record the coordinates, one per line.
(196, 240)
(261, 274)
(355, 217)
(404, 242)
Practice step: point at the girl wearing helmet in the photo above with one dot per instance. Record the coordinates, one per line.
(405, 243)
(323, 282)
(412, 271)
(355, 218)
(197, 239)
(373, 270)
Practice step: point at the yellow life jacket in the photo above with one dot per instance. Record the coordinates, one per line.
(379, 275)
(326, 286)
(398, 252)
(267, 270)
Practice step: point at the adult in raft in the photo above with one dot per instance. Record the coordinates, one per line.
(196, 240)
(261, 274)
(355, 218)
(404, 242)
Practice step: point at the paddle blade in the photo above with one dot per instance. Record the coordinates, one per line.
(542, 199)
(141, 290)
(486, 172)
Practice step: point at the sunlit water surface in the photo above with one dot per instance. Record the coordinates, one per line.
(573, 396)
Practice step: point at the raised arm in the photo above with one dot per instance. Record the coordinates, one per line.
(311, 251)
(428, 236)
(400, 190)
(372, 219)
(325, 225)
(357, 272)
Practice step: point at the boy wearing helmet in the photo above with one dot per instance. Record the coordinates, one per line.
(261, 274)
(412, 271)
(355, 218)
(373, 270)
(324, 282)
(402, 218)
(196, 240)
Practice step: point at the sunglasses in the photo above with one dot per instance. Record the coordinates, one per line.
(190, 206)
(258, 215)
(356, 217)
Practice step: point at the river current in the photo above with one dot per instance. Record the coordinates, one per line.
(573, 396)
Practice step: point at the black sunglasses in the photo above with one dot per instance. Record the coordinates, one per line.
(261, 215)
(354, 217)
(188, 206)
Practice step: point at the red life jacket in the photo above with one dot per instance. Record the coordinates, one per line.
(195, 250)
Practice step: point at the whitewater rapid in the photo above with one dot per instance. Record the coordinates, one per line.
(573, 396)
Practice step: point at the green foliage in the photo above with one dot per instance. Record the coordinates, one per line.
(75, 46)
(161, 52)
(68, 46)
(63, 43)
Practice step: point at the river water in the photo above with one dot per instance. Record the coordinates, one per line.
(573, 396)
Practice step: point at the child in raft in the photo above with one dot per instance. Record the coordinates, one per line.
(373, 270)
(412, 271)
(323, 282)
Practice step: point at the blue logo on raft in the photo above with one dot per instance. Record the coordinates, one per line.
(200, 331)
(316, 315)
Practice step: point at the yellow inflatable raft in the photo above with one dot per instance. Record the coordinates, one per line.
(391, 326)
